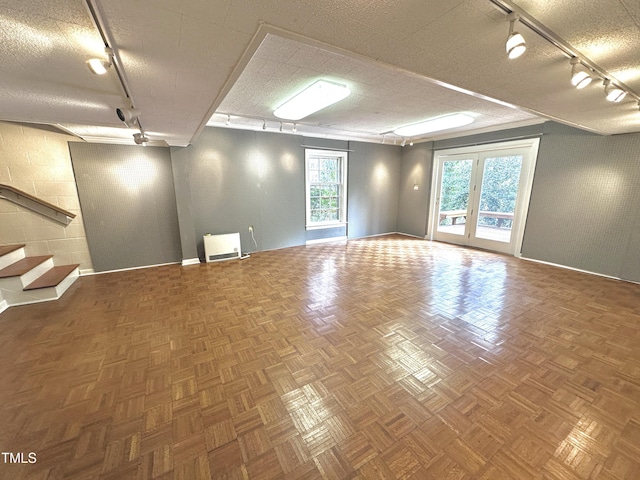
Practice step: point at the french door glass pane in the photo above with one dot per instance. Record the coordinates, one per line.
(498, 194)
(454, 196)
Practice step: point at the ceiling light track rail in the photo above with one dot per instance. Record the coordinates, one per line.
(109, 44)
(268, 124)
(568, 50)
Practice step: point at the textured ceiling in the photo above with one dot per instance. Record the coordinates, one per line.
(382, 98)
(185, 60)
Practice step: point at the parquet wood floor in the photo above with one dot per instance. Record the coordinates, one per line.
(387, 358)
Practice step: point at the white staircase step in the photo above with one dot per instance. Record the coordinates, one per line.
(34, 279)
(28, 268)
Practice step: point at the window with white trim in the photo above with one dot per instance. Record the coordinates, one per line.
(326, 188)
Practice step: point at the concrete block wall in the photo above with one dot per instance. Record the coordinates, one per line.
(37, 161)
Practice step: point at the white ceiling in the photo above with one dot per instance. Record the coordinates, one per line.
(405, 61)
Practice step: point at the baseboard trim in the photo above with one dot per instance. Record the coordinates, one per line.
(135, 268)
(588, 272)
(190, 261)
(87, 271)
(326, 240)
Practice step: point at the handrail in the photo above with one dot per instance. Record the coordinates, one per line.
(36, 204)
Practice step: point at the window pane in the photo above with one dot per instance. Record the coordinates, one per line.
(499, 191)
(454, 196)
(324, 177)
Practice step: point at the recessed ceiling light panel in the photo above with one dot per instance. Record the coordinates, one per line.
(435, 125)
(315, 97)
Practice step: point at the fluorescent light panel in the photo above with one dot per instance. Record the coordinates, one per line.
(435, 125)
(315, 97)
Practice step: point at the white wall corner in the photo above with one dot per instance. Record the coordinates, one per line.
(3, 305)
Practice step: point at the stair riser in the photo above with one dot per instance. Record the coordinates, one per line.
(12, 257)
(35, 272)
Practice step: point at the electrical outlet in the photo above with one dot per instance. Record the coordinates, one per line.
(250, 228)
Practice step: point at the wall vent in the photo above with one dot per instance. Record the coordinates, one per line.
(222, 247)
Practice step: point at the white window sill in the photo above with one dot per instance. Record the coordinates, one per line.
(320, 226)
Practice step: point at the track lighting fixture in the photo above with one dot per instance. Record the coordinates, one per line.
(295, 128)
(580, 76)
(280, 126)
(404, 142)
(516, 44)
(228, 122)
(99, 66)
(128, 116)
(382, 142)
(613, 93)
(411, 143)
(140, 139)
(264, 125)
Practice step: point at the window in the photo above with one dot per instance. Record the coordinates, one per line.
(326, 188)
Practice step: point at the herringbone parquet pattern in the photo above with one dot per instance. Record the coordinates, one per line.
(382, 358)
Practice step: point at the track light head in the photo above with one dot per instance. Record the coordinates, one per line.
(99, 66)
(516, 44)
(128, 115)
(404, 142)
(613, 93)
(580, 76)
(140, 139)
(295, 128)
(264, 125)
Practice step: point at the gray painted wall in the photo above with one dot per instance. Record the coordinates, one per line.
(128, 204)
(182, 184)
(374, 187)
(584, 203)
(586, 192)
(230, 179)
(413, 205)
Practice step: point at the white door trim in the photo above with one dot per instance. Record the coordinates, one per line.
(531, 146)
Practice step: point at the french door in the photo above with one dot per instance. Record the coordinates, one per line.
(481, 195)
